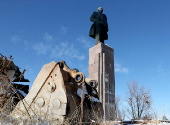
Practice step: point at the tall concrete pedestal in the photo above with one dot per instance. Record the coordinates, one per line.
(101, 68)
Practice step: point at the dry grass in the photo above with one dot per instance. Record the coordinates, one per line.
(6, 119)
(35, 120)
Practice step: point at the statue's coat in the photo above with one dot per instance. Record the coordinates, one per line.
(99, 26)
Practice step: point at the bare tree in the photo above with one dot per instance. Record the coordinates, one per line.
(164, 118)
(119, 113)
(139, 101)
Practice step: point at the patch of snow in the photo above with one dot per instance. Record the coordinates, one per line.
(94, 92)
(71, 83)
(95, 99)
(79, 91)
(93, 121)
(85, 90)
(133, 124)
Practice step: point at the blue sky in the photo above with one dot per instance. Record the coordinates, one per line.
(37, 32)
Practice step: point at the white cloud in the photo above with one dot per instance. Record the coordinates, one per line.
(26, 44)
(64, 44)
(19, 40)
(120, 69)
(63, 30)
(16, 39)
(80, 57)
(62, 49)
(41, 48)
(160, 69)
(44, 47)
(85, 42)
(47, 37)
(65, 49)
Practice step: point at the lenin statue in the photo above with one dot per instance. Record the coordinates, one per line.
(99, 28)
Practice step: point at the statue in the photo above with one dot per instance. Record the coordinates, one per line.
(99, 28)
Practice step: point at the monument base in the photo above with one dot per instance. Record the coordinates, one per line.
(101, 68)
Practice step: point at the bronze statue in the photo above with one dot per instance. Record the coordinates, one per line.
(99, 28)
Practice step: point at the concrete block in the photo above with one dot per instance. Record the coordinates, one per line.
(101, 68)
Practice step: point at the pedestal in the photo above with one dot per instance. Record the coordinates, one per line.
(101, 68)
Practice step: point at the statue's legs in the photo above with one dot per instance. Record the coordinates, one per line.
(98, 39)
(99, 33)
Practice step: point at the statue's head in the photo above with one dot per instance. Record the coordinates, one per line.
(100, 9)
